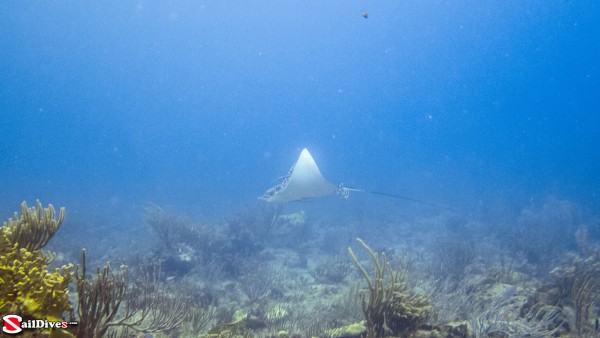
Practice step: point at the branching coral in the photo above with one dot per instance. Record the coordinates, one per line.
(110, 300)
(579, 284)
(389, 306)
(171, 229)
(26, 285)
(515, 317)
(35, 227)
(98, 299)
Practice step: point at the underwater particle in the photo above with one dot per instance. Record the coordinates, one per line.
(365, 14)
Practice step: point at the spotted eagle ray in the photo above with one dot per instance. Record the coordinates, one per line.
(305, 181)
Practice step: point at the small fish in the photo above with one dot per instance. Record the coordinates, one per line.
(596, 324)
(365, 14)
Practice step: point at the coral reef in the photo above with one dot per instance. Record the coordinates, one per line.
(515, 317)
(26, 285)
(201, 273)
(98, 299)
(545, 230)
(144, 305)
(452, 255)
(332, 270)
(187, 245)
(390, 307)
(578, 284)
(35, 227)
(352, 330)
(235, 329)
(259, 281)
(178, 237)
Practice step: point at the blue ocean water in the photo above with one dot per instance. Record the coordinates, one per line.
(205, 104)
(158, 124)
